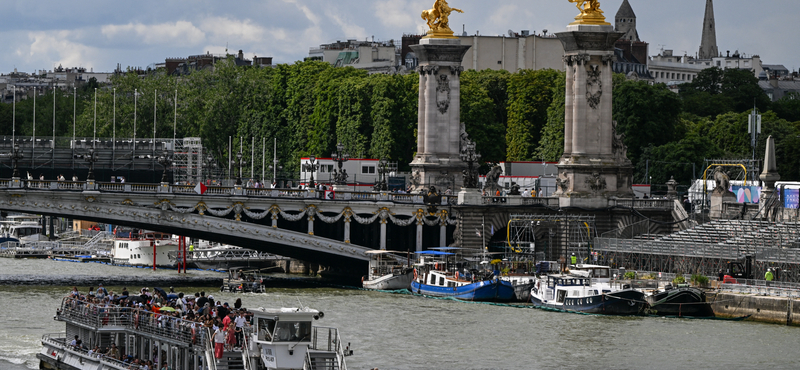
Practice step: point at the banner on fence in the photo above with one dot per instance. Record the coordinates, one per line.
(791, 198)
(746, 194)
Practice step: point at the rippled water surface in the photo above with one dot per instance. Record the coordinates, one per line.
(391, 331)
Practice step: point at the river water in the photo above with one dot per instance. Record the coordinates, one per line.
(393, 331)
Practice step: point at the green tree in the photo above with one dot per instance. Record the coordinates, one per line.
(484, 97)
(646, 114)
(551, 145)
(530, 93)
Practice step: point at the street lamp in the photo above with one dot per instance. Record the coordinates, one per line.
(312, 167)
(340, 157)
(210, 164)
(383, 169)
(166, 161)
(91, 158)
(276, 168)
(15, 155)
(239, 163)
(469, 155)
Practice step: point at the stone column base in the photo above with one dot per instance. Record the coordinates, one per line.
(470, 197)
(439, 175)
(592, 185)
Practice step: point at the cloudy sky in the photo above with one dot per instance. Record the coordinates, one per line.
(99, 34)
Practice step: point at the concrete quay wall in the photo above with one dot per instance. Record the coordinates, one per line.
(776, 310)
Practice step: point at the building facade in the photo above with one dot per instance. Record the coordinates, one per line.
(373, 56)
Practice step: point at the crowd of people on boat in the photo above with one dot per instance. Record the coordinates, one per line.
(192, 318)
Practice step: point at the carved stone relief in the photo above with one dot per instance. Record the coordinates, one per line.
(596, 182)
(594, 86)
(443, 93)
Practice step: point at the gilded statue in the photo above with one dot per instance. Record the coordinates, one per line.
(590, 12)
(438, 19)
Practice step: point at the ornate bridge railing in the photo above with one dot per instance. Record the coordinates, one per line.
(116, 187)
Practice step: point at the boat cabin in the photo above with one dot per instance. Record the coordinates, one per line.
(384, 262)
(284, 338)
(597, 272)
(568, 290)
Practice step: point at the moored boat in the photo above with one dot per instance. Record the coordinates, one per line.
(588, 289)
(386, 272)
(679, 301)
(143, 248)
(440, 279)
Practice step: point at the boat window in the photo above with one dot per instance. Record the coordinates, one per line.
(561, 295)
(292, 331)
(601, 273)
(433, 280)
(441, 280)
(606, 291)
(265, 329)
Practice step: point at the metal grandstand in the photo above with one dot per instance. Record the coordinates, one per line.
(551, 237)
(706, 248)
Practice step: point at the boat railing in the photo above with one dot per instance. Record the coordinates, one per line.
(109, 362)
(100, 316)
(211, 362)
(246, 360)
(325, 339)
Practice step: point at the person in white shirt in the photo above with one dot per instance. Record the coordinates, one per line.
(219, 343)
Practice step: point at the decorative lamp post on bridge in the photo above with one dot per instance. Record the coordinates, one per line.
(312, 167)
(239, 163)
(209, 165)
(340, 156)
(277, 169)
(383, 169)
(469, 156)
(16, 156)
(165, 160)
(91, 158)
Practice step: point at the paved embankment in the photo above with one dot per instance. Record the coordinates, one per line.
(120, 280)
(777, 310)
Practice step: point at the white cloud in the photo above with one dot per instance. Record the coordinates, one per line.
(182, 32)
(234, 30)
(57, 47)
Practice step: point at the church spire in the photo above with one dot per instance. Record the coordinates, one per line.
(625, 22)
(708, 45)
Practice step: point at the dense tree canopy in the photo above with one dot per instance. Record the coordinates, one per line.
(311, 106)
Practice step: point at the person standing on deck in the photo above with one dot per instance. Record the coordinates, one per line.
(219, 342)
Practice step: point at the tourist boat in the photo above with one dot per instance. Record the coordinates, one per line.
(282, 338)
(682, 300)
(21, 228)
(441, 279)
(143, 248)
(588, 289)
(386, 272)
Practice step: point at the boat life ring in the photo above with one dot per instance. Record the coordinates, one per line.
(415, 274)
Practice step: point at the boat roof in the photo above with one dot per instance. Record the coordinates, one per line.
(285, 311)
(436, 253)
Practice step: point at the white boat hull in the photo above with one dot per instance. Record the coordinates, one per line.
(390, 281)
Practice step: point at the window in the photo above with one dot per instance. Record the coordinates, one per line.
(367, 169)
(292, 331)
(441, 281)
(265, 329)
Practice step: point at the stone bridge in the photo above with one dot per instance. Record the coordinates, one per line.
(293, 223)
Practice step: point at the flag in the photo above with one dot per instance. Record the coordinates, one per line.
(200, 188)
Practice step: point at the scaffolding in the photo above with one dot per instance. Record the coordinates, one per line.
(551, 237)
(707, 248)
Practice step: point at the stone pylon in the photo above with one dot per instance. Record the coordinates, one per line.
(594, 166)
(439, 130)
